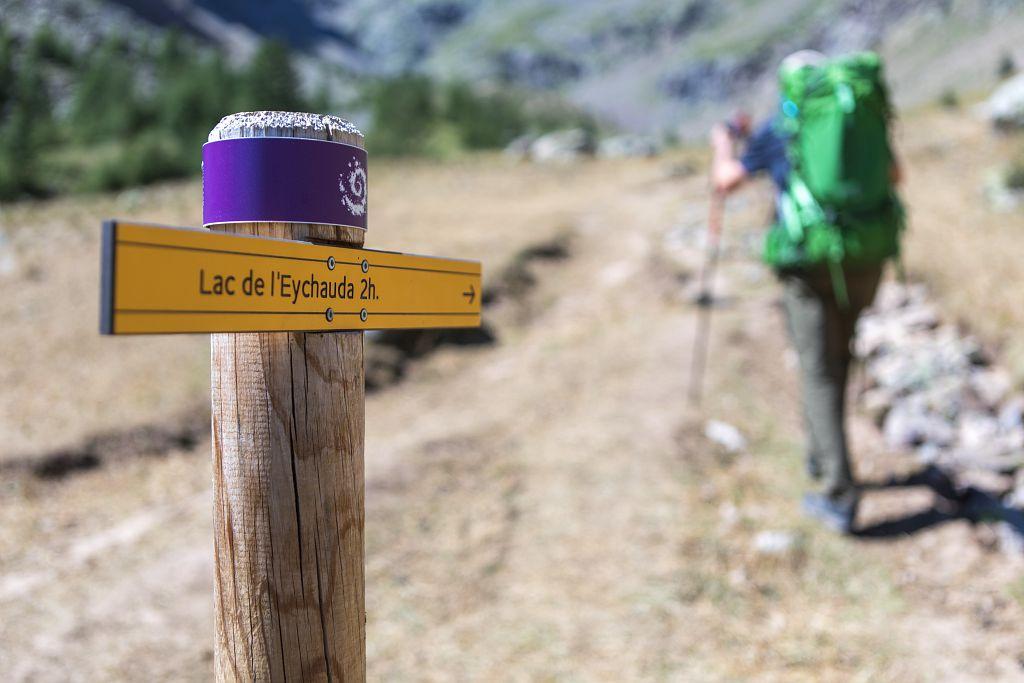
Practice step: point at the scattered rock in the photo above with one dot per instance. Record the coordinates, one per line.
(931, 388)
(1016, 495)
(1011, 541)
(991, 385)
(1001, 197)
(562, 146)
(1011, 415)
(774, 542)
(977, 431)
(877, 401)
(909, 424)
(8, 261)
(1005, 107)
(725, 435)
(623, 146)
(519, 149)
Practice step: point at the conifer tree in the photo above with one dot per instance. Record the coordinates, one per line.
(27, 129)
(6, 68)
(270, 82)
(105, 104)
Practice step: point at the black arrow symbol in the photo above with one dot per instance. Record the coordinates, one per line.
(471, 294)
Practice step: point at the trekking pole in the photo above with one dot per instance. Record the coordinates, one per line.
(705, 298)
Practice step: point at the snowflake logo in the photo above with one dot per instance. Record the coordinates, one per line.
(352, 184)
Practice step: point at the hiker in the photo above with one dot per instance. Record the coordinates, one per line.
(838, 220)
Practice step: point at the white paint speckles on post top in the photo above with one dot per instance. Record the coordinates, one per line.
(289, 124)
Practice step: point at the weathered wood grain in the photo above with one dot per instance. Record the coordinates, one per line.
(288, 478)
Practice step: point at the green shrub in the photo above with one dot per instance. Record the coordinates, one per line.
(160, 136)
(7, 76)
(27, 129)
(405, 111)
(106, 105)
(949, 99)
(1007, 66)
(484, 121)
(194, 100)
(443, 142)
(16, 180)
(1013, 179)
(270, 81)
(49, 47)
(151, 156)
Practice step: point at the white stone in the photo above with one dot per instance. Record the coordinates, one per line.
(977, 432)
(519, 148)
(909, 424)
(774, 542)
(622, 146)
(1011, 414)
(991, 385)
(1005, 107)
(725, 435)
(561, 146)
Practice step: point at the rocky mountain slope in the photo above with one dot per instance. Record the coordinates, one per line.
(641, 64)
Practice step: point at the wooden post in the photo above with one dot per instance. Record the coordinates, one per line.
(288, 474)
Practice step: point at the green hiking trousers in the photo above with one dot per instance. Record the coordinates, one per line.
(822, 330)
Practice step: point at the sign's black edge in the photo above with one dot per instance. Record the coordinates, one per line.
(302, 330)
(108, 244)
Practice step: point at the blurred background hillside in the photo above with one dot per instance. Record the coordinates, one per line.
(105, 94)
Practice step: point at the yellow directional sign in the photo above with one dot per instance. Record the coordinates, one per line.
(164, 280)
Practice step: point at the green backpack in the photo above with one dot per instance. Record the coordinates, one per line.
(840, 207)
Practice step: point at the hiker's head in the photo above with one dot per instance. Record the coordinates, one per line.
(798, 60)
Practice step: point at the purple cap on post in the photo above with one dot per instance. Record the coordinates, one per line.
(284, 180)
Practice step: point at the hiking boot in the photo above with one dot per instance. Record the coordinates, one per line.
(837, 516)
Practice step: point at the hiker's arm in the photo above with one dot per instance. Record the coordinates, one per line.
(727, 173)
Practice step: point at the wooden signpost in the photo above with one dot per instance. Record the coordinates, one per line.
(282, 284)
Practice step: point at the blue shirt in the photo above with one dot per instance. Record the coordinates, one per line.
(766, 151)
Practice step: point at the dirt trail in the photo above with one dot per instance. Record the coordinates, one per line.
(570, 430)
(546, 508)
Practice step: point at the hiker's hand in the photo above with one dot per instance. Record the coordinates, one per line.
(726, 171)
(721, 139)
